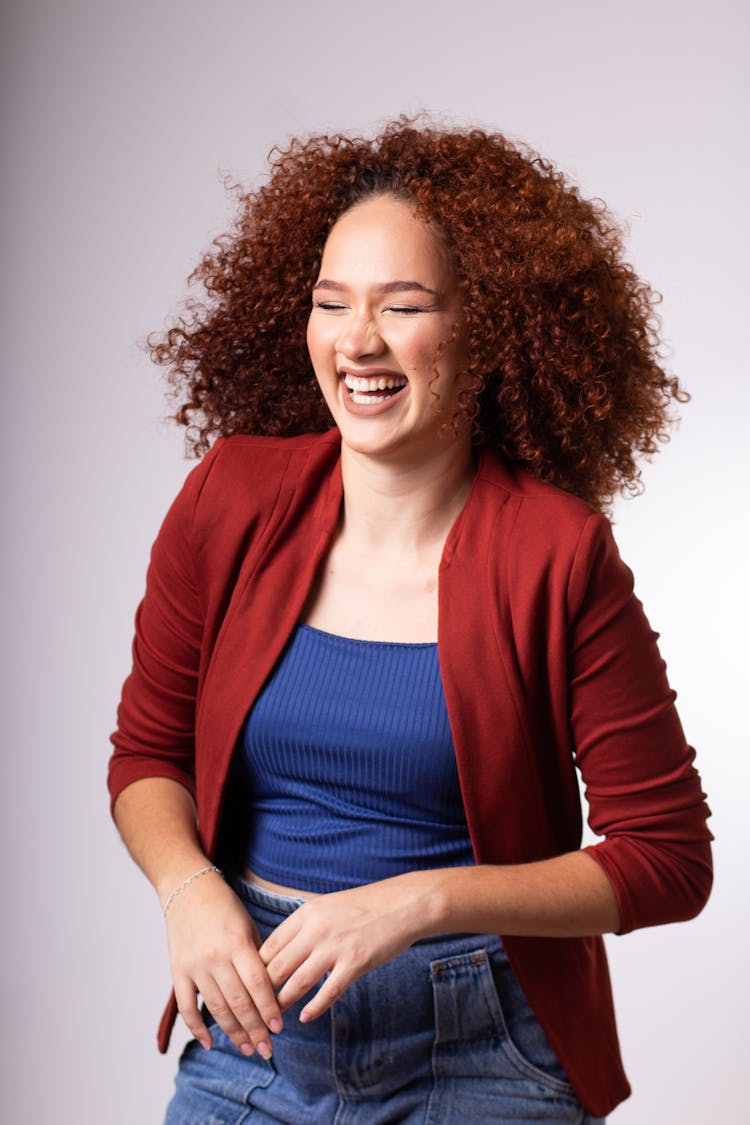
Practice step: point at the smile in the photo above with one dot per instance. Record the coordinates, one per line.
(373, 389)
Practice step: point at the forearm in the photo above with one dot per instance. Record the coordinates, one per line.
(156, 819)
(339, 936)
(567, 896)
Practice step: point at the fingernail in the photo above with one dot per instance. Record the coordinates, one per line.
(265, 1050)
(275, 1025)
(205, 1044)
(247, 1049)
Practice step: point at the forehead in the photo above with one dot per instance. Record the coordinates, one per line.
(384, 236)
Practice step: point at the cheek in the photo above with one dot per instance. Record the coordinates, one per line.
(420, 354)
(454, 353)
(312, 338)
(321, 343)
(320, 354)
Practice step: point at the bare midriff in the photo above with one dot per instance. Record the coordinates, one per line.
(277, 888)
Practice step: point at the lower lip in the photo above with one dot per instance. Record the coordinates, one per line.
(369, 409)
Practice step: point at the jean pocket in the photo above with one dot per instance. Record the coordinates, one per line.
(220, 1086)
(472, 1029)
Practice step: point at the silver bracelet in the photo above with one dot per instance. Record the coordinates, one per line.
(187, 882)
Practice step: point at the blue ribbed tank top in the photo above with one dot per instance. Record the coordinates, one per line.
(345, 772)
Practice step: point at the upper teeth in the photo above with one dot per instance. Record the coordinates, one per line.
(374, 382)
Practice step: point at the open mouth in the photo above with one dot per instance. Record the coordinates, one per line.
(372, 389)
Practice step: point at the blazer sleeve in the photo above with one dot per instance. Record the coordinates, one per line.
(644, 793)
(156, 715)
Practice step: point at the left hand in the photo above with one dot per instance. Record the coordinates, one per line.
(345, 933)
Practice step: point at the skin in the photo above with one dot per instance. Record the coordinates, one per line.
(405, 482)
(387, 301)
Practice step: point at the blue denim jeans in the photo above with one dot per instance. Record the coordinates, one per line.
(443, 1034)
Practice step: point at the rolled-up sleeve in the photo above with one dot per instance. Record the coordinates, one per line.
(644, 794)
(155, 735)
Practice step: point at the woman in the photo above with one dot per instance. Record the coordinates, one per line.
(372, 655)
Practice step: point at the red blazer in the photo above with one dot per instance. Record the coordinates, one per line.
(548, 664)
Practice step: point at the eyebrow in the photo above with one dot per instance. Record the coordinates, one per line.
(387, 287)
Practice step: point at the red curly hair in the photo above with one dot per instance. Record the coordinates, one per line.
(563, 367)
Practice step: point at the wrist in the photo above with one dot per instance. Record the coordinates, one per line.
(208, 869)
(173, 876)
(428, 899)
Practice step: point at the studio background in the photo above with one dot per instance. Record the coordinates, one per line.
(119, 122)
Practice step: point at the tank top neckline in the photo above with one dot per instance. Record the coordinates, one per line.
(352, 641)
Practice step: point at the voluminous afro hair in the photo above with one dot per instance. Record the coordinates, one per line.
(564, 370)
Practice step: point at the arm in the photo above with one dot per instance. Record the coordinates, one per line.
(644, 794)
(212, 942)
(349, 932)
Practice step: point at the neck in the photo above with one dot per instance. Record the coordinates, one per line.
(390, 508)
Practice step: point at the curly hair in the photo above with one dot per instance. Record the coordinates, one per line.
(564, 373)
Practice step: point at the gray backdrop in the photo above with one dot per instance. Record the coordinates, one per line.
(119, 120)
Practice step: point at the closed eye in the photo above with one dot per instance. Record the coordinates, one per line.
(401, 310)
(329, 306)
(411, 310)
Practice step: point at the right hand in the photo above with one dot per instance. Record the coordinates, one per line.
(213, 950)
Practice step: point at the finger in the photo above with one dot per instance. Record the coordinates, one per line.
(292, 956)
(283, 965)
(259, 988)
(329, 992)
(187, 1006)
(221, 1011)
(237, 1013)
(304, 978)
(288, 946)
(280, 937)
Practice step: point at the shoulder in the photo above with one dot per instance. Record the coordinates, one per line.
(244, 465)
(244, 455)
(542, 538)
(241, 479)
(542, 516)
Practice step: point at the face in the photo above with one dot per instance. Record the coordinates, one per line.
(385, 307)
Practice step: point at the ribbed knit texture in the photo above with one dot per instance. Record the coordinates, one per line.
(345, 772)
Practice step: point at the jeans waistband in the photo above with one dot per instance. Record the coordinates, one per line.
(252, 894)
(255, 895)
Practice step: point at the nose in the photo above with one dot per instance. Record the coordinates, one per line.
(359, 337)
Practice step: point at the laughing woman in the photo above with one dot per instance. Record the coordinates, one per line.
(371, 656)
